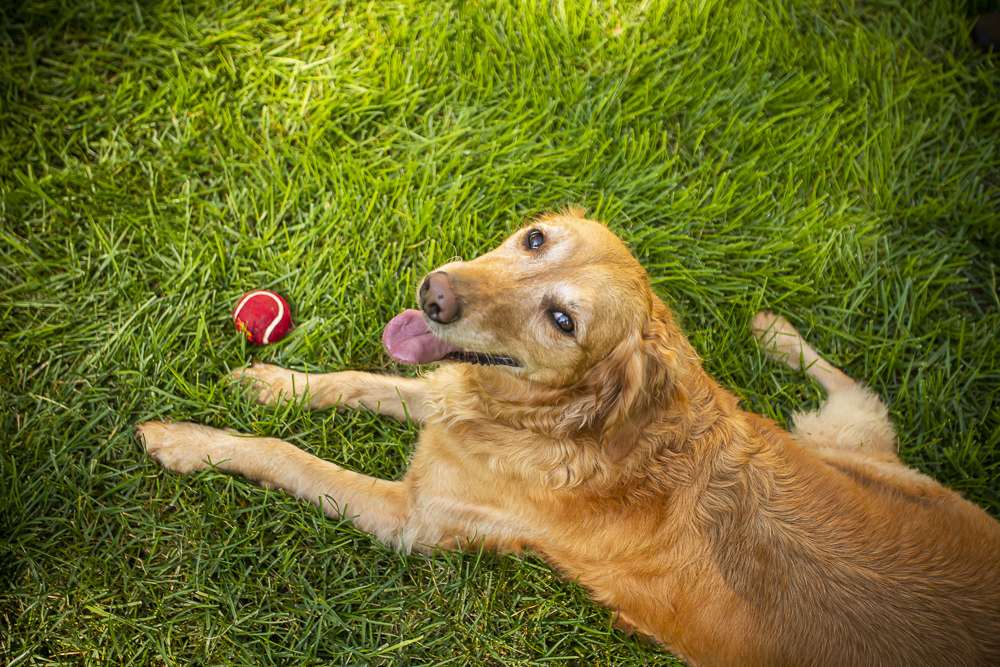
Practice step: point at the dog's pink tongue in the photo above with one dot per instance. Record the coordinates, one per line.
(408, 340)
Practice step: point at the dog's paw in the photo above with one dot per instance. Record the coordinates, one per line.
(182, 446)
(270, 384)
(777, 337)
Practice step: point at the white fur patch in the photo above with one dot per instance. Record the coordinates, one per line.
(853, 419)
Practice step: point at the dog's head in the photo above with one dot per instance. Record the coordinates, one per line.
(561, 303)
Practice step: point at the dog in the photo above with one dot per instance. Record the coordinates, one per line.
(570, 416)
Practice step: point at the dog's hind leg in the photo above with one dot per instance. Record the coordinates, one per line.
(391, 395)
(853, 417)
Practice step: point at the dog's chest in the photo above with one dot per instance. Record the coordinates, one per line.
(457, 490)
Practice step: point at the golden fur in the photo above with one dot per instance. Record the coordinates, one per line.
(614, 455)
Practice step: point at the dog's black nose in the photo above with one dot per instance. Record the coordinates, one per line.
(438, 299)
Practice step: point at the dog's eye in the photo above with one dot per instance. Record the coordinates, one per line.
(534, 240)
(563, 321)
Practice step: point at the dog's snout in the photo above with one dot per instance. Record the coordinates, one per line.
(437, 298)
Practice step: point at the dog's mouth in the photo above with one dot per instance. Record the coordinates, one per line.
(409, 340)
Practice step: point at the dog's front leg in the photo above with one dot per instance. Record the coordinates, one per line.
(375, 505)
(389, 395)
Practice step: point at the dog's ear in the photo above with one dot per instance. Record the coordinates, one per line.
(636, 380)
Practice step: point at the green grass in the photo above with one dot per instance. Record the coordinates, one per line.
(836, 161)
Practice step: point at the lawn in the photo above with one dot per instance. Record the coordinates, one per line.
(835, 161)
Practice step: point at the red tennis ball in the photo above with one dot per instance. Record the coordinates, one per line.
(262, 316)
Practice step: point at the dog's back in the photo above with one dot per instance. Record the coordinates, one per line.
(849, 563)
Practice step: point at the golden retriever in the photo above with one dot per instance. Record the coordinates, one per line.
(571, 416)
